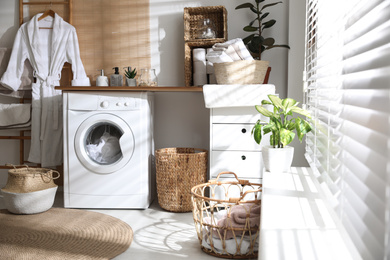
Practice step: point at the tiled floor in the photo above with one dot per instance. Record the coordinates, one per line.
(158, 234)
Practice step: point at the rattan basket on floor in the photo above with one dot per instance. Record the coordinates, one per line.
(228, 226)
(177, 171)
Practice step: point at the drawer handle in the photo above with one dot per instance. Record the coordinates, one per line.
(243, 157)
(243, 130)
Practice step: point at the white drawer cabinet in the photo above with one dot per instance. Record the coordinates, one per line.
(232, 147)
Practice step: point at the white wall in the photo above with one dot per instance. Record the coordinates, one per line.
(180, 118)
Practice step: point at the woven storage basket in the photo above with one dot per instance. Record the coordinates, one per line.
(227, 226)
(27, 179)
(241, 72)
(194, 15)
(177, 171)
(30, 190)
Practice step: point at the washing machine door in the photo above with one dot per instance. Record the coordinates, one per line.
(104, 143)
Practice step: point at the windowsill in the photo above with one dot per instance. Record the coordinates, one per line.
(295, 221)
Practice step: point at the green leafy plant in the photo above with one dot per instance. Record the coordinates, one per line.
(130, 74)
(282, 122)
(255, 42)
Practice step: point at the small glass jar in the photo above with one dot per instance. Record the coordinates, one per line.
(206, 29)
(148, 78)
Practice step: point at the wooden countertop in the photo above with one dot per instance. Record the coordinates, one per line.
(152, 89)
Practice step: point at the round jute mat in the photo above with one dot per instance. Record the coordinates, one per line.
(62, 234)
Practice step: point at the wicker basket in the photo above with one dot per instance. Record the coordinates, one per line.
(30, 190)
(177, 171)
(194, 15)
(28, 179)
(241, 72)
(228, 227)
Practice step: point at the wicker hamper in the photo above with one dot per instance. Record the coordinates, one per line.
(228, 226)
(177, 171)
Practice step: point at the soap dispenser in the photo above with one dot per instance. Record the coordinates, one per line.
(101, 81)
(116, 79)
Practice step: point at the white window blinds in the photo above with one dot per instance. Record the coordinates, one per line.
(347, 91)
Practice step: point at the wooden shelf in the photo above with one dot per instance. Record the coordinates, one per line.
(152, 89)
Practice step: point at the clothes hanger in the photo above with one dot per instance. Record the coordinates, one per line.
(47, 13)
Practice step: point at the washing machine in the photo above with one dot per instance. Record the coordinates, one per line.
(108, 149)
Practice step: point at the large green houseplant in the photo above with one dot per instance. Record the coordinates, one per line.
(283, 121)
(255, 42)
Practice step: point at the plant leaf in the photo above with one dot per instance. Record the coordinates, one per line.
(300, 111)
(269, 5)
(269, 41)
(302, 127)
(265, 102)
(248, 38)
(250, 28)
(252, 22)
(269, 24)
(264, 16)
(278, 45)
(264, 111)
(245, 5)
(256, 131)
(259, 1)
(276, 101)
(286, 136)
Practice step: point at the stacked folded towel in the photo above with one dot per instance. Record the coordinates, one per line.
(15, 116)
(232, 50)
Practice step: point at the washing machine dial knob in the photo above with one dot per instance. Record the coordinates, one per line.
(119, 104)
(104, 104)
(127, 104)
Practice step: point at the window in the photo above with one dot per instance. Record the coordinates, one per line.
(347, 91)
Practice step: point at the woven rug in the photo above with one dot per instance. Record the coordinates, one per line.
(62, 234)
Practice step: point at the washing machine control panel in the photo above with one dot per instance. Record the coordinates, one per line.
(117, 103)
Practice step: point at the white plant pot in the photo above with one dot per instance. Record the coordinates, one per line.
(131, 82)
(277, 159)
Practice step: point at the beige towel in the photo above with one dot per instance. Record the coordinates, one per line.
(16, 115)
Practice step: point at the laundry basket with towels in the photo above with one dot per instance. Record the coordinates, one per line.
(228, 227)
(30, 190)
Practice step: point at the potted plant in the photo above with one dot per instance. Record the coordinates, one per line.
(130, 76)
(255, 42)
(282, 123)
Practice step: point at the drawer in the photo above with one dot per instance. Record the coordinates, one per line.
(247, 115)
(235, 137)
(243, 163)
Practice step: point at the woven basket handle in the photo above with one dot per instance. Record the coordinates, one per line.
(240, 181)
(13, 165)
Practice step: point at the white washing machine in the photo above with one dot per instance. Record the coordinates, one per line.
(108, 148)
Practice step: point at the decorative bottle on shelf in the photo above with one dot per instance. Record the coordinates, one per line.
(148, 78)
(101, 81)
(116, 79)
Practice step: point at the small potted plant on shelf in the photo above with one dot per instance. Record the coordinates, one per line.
(281, 125)
(255, 42)
(130, 76)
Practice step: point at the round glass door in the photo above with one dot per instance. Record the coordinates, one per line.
(104, 143)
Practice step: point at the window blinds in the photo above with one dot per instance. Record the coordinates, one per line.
(347, 91)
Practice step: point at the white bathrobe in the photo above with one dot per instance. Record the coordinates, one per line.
(47, 50)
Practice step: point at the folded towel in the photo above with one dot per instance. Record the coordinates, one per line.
(246, 212)
(229, 50)
(239, 47)
(14, 114)
(209, 67)
(236, 95)
(218, 57)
